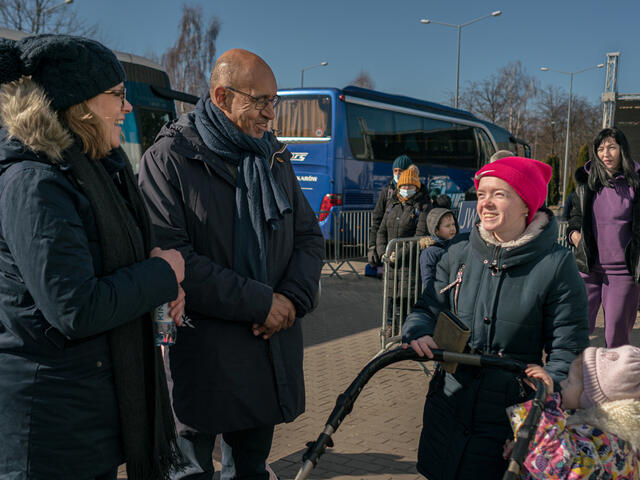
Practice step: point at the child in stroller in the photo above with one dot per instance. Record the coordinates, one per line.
(600, 439)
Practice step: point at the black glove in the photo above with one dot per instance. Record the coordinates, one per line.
(372, 257)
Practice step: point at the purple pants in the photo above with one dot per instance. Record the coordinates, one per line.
(619, 296)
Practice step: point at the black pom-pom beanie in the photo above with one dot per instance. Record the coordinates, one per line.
(69, 69)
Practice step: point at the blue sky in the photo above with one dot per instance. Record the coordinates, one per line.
(386, 39)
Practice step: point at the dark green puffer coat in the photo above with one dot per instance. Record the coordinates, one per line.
(521, 300)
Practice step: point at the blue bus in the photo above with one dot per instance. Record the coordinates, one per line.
(344, 141)
(150, 93)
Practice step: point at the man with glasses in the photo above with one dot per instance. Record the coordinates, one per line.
(220, 189)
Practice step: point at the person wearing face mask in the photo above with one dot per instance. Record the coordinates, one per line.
(521, 296)
(82, 386)
(604, 226)
(403, 218)
(400, 164)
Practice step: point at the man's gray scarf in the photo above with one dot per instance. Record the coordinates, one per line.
(260, 204)
(146, 420)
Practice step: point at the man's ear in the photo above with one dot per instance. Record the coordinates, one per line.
(219, 97)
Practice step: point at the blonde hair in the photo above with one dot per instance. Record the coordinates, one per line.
(89, 128)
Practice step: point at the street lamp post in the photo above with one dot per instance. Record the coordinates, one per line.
(322, 64)
(426, 21)
(46, 11)
(566, 147)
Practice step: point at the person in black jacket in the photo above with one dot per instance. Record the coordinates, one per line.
(82, 388)
(604, 226)
(405, 217)
(400, 164)
(221, 189)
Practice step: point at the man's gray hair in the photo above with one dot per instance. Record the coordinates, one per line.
(501, 154)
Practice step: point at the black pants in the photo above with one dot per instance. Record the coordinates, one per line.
(250, 449)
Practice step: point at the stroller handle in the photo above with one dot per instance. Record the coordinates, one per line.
(345, 401)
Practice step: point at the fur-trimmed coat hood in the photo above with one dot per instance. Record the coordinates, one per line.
(27, 116)
(540, 220)
(620, 417)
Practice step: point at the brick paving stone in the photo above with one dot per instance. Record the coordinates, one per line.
(378, 440)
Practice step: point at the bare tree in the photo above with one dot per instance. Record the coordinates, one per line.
(503, 98)
(44, 16)
(189, 62)
(550, 121)
(512, 99)
(550, 132)
(363, 80)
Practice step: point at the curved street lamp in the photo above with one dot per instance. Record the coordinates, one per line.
(566, 147)
(321, 64)
(427, 21)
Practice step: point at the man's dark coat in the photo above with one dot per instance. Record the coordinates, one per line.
(224, 378)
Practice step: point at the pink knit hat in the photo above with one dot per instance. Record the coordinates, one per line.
(610, 374)
(528, 177)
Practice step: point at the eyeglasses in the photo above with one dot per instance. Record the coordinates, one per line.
(118, 93)
(260, 102)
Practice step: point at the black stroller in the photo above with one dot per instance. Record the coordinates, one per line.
(345, 401)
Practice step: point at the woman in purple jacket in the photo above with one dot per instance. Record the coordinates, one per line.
(604, 226)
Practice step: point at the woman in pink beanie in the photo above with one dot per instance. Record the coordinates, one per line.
(521, 295)
(601, 439)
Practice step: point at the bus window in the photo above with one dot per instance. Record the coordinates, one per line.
(306, 116)
(449, 144)
(150, 122)
(371, 132)
(486, 147)
(381, 135)
(409, 135)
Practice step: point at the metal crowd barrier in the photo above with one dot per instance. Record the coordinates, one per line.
(402, 286)
(562, 233)
(346, 234)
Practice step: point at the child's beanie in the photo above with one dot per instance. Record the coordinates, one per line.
(610, 374)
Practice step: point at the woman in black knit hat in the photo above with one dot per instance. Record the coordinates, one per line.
(82, 388)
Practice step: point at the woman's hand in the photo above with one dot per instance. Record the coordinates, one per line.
(176, 307)
(575, 237)
(536, 371)
(422, 346)
(173, 258)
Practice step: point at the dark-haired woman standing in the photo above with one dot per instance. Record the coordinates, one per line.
(604, 226)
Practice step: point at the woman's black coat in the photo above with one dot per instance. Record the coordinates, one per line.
(58, 409)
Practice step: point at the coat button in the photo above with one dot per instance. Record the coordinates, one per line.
(98, 364)
(486, 261)
(486, 320)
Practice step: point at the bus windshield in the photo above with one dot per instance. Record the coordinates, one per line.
(303, 116)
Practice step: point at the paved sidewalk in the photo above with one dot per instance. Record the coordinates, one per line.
(379, 439)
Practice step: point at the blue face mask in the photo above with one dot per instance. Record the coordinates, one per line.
(407, 192)
(396, 178)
